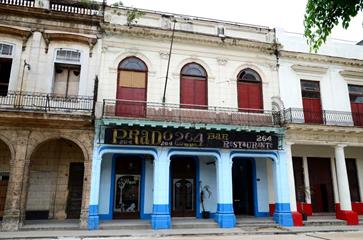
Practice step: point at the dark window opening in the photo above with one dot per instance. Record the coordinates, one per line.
(5, 69)
(356, 103)
(133, 64)
(248, 75)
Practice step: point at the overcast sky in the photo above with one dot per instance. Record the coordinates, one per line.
(286, 14)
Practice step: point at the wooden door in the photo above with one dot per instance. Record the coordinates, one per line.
(131, 93)
(193, 93)
(322, 195)
(243, 196)
(75, 190)
(312, 110)
(4, 180)
(299, 179)
(357, 112)
(126, 202)
(249, 95)
(183, 186)
(353, 179)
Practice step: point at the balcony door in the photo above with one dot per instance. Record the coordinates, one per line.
(310, 91)
(131, 88)
(356, 103)
(249, 90)
(193, 87)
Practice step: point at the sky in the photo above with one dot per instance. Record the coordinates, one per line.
(285, 14)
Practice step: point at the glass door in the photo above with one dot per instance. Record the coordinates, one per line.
(127, 196)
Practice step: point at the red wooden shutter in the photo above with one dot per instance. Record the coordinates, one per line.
(312, 110)
(249, 96)
(193, 91)
(357, 112)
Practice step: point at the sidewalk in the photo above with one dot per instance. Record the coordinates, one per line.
(127, 234)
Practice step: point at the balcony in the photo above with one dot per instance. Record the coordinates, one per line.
(324, 117)
(43, 102)
(188, 113)
(66, 6)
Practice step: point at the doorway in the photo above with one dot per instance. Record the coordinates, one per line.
(183, 182)
(322, 195)
(242, 181)
(75, 189)
(127, 177)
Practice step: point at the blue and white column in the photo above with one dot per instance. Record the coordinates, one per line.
(160, 218)
(282, 214)
(93, 218)
(225, 215)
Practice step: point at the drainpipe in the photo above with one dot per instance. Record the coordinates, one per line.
(167, 69)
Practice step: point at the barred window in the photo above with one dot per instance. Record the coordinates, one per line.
(69, 56)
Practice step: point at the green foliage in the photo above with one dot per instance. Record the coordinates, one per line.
(133, 15)
(117, 4)
(323, 15)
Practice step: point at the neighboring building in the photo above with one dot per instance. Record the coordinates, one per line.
(323, 100)
(214, 128)
(49, 55)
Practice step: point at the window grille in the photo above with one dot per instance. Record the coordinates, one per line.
(69, 56)
(6, 49)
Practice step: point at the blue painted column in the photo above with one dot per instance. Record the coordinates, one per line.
(282, 213)
(225, 215)
(160, 218)
(93, 218)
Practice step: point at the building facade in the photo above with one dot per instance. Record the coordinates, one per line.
(48, 59)
(104, 117)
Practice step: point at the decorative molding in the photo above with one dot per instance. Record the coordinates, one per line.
(23, 34)
(309, 69)
(164, 55)
(222, 61)
(309, 57)
(48, 37)
(353, 77)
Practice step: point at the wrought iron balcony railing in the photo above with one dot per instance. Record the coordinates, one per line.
(43, 102)
(189, 113)
(22, 3)
(324, 117)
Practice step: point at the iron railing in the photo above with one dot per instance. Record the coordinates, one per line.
(44, 102)
(187, 113)
(324, 117)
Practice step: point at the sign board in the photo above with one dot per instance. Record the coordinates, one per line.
(195, 138)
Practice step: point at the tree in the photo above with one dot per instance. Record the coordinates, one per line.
(323, 15)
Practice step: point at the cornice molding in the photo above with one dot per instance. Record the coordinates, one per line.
(24, 34)
(158, 33)
(321, 58)
(353, 77)
(54, 36)
(309, 69)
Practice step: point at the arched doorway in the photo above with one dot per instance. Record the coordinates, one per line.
(249, 90)
(131, 88)
(5, 156)
(193, 86)
(55, 184)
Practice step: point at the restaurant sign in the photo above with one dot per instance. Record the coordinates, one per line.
(197, 138)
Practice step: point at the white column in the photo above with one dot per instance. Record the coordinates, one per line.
(342, 177)
(291, 179)
(334, 178)
(306, 180)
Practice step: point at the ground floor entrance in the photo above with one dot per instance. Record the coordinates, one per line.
(243, 194)
(183, 186)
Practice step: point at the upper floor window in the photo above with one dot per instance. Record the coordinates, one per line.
(67, 72)
(6, 54)
(355, 93)
(69, 56)
(310, 89)
(249, 90)
(131, 88)
(6, 50)
(193, 86)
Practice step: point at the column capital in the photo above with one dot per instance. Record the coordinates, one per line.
(340, 145)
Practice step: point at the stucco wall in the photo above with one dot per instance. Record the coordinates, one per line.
(208, 177)
(262, 184)
(105, 184)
